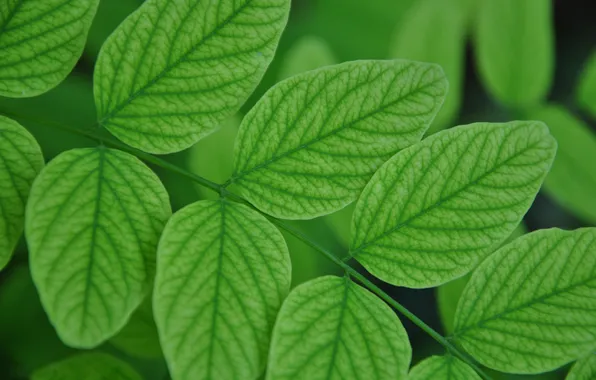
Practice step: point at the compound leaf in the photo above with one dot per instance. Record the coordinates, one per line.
(173, 71)
(92, 225)
(332, 328)
(312, 142)
(308, 53)
(40, 43)
(435, 31)
(88, 366)
(572, 179)
(20, 162)
(435, 209)
(514, 48)
(139, 337)
(583, 369)
(530, 307)
(442, 367)
(586, 89)
(223, 271)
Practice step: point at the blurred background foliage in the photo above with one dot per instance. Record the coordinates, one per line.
(505, 60)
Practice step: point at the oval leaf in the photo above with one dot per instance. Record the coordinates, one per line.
(572, 179)
(308, 53)
(173, 71)
(514, 48)
(40, 43)
(92, 225)
(312, 142)
(20, 162)
(332, 328)
(435, 31)
(88, 366)
(223, 271)
(477, 182)
(530, 307)
(586, 89)
(584, 369)
(443, 367)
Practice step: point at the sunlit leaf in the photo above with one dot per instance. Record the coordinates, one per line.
(435, 31)
(20, 162)
(308, 53)
(40, 42)
(514, 47)
(92, 225)
(332, 328)
(530, 307)
(88, 366)
(435, 209)
(312, 142)
(173, 71)
(572, 179)
(442, 367)
(223, 271)
(584, 369)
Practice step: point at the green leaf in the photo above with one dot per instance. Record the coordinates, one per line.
(139, 337)
(223, 271)
(584, 369)
(514, 47)
(435, 31)
(308, 53)
(332, 328)
(88, 366)
(309, 146)
(435, 209)
(20, 162)
(448, 294)
(92, 225)
(530, 307)
(442, 367)
(572, 179)
(586, 89)
(172, 72)
(40, 43)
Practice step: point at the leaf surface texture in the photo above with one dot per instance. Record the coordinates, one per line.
(173, 71)
(331, 328)
(223, 271)
(40, 43)
(442, 368)
(92, 225)
(312, 142)
(20, 162)
(435, 209)
(530, 307)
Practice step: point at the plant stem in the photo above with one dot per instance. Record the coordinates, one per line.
(221, 189)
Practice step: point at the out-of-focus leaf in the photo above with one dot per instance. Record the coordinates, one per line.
(88, 366)
(308, 53)
(586, 89)
(514, 45)
(435, 31)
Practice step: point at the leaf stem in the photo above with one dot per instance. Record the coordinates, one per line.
(221, 189)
